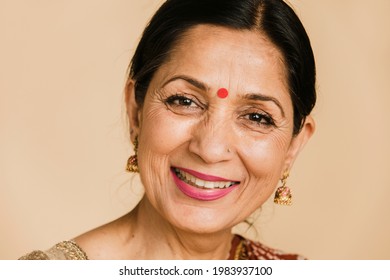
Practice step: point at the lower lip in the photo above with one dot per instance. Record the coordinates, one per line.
(200, 194)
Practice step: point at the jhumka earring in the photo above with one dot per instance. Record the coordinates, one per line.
(283, 193)
(132, 162)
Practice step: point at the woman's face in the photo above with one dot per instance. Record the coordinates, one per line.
(206, 160)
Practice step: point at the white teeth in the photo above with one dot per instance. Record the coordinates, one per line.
(226, 185)
(196, 182)
(192, 179)
(209, 185)
(199, 182)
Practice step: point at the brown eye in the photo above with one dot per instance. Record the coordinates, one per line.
(184, 102)
(261, 119)
(185, 105)
(179, 100)
(258, 121)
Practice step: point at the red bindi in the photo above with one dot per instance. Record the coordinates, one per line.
(222, 93)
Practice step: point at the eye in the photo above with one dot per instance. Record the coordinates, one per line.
(180, 100)
(259, 121)
(182, 104)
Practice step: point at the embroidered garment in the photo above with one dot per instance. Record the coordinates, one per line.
(245, 249)
(65, 250)
(241, 249)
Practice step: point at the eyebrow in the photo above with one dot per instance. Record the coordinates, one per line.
(262, 97)
(250, 96)
(190, 80)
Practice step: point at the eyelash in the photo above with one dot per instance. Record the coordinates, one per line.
(263, 119)
(177, 99)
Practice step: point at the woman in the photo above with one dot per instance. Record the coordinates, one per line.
(218, 99)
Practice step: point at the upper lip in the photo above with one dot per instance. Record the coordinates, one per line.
(205, 177)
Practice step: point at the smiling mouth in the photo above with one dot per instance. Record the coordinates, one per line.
(202, 184)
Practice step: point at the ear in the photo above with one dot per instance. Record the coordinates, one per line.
(298, 142)
(133, 110)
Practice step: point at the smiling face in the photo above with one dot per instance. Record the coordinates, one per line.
(208, 161)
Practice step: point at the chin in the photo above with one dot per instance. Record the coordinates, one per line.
(201, 220)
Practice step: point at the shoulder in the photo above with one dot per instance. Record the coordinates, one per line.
(65, 250)
(104, 242)
(246, 249)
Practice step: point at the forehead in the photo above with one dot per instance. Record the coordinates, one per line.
(242, 60)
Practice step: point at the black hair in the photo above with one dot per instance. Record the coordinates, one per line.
(274, 18)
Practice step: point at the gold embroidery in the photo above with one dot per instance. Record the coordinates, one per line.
(35, 255)
(240, 253)
(71, 250)
(65, 250)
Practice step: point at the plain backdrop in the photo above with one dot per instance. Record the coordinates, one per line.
(64, 139)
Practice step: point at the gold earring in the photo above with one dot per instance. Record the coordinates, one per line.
(283, 193)
(132, 162)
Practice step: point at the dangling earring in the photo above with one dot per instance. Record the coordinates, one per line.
(283, 193)
(132, 162)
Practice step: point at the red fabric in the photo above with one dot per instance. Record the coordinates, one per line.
(251, 250)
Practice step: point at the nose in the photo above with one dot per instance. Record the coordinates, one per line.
(212, 140)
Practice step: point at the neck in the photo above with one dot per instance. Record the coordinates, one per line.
(152, 237)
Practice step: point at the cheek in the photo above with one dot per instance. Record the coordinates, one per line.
(264, 158)
(161, 132)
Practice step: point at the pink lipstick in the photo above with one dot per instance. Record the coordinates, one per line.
(204, 176)
(201, 186)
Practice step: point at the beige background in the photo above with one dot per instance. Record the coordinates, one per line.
(63, 138)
